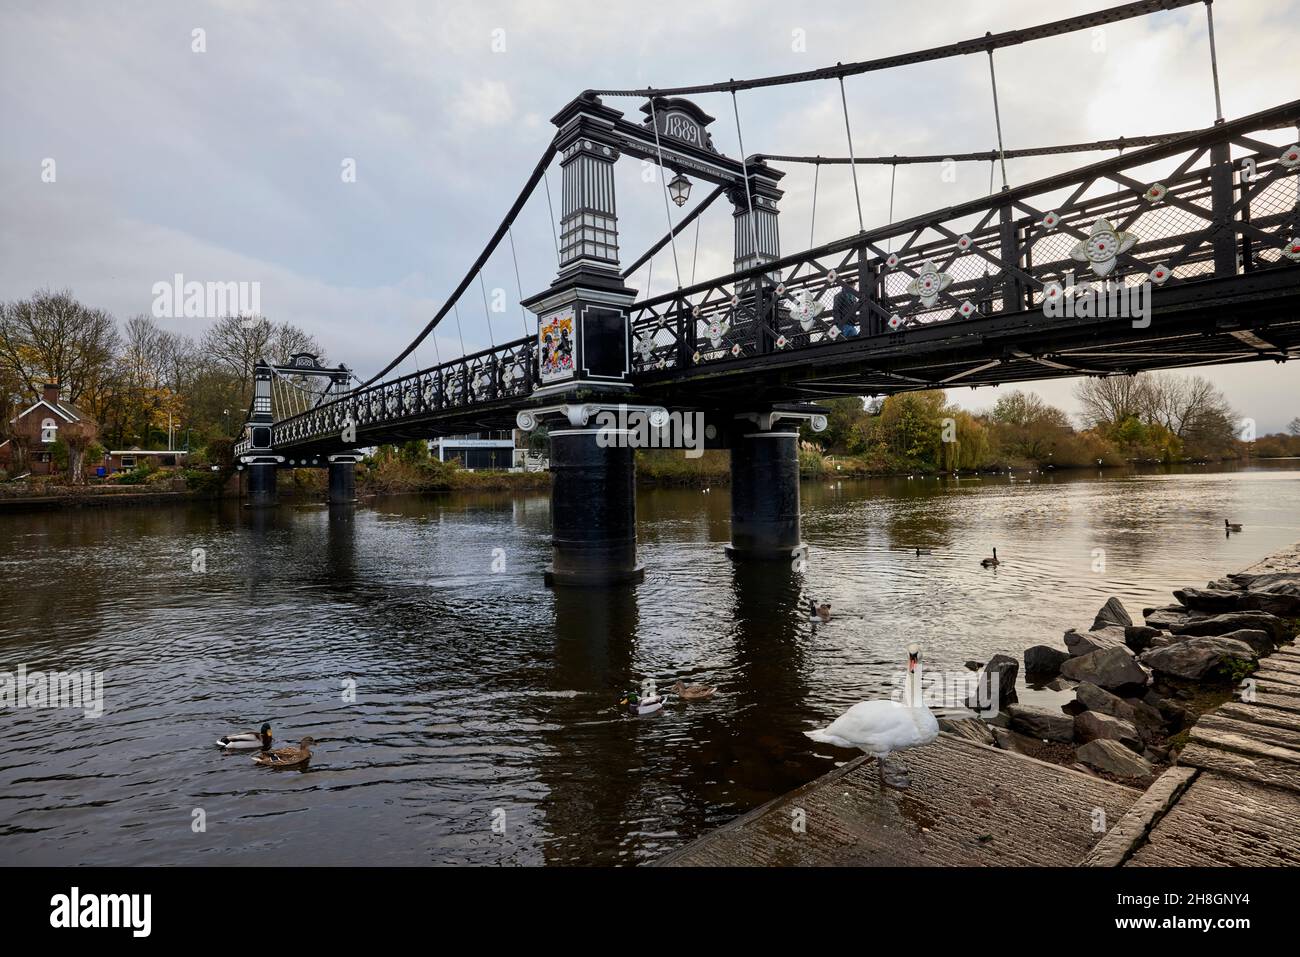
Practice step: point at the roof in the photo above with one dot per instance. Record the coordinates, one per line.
(65, 410)
(147, 452)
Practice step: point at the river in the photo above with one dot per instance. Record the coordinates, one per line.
(483, 727)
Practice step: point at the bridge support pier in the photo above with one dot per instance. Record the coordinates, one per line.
(765, 521)
(343, 479)
(261, 485)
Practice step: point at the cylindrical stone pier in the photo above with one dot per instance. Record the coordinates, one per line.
(343, 482)
(261, 485)
(593, 508)
(765, 495)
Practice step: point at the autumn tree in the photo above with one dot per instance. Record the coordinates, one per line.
(52, 337)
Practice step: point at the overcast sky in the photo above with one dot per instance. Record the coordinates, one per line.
(225, 165)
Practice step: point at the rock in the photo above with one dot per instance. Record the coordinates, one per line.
(1174, 715)
(1084, 768)
(972, 729)
(1139, 637)
(1234, 621)
(1059, 684)
(1205, 599)
(996, 681)
(974, 665)
(1103, 702)
(1073, 707)
(1196, 658)
(1012, 741)
(1044, 660)
(1111, 614)
(1113, 758)
(1110, 668)
(1082, 642)
(1166, 618)
(1276, 597)
(1255, 637)
(1225, 584)
(1093, 725)
(1040, 723)
(1148, 719)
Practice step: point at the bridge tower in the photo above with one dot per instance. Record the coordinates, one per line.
(261, 461)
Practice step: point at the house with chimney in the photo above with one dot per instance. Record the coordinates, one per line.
(34, 432)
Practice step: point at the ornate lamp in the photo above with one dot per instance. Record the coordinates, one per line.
(679, 188)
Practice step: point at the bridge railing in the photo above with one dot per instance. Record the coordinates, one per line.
(500, 373)
(1180, 212)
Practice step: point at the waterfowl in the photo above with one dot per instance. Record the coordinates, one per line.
(247, 740)
(287, 757)
(693, 692)
(923, 551)
(1230, 526)
(881, 727)
(818, 612)
(991, 562)
(641, 704)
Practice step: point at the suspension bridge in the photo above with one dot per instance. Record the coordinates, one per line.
(1198, 229)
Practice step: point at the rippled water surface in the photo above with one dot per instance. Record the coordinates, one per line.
(485, 697)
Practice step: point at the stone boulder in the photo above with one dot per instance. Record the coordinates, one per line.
(1040, 723)
(1112, 614)
(1165, 618)
(1113, 758)
(1276, 597)
(1009, 740)
(1082, 642)
(1148, 719)
(1196, 658)
(1093, 725)
(1044, 660)
(972, 729)
(1109, 668)
(1255, 637)
(1140, 637)
(1211, 600)
(1002, 670)
(1234, 621)
(1103, 702)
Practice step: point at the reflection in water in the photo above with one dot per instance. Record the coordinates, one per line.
(483, 698)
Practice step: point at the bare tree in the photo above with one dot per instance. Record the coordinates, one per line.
(1294, 426)
(1107, 400)
(52, 337)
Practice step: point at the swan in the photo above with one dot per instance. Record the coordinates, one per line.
(818, 612)
(1231, 526)
(882, 727)
(247, 740)
(991, 562)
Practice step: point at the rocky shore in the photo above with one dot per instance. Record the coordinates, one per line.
(1138, 688)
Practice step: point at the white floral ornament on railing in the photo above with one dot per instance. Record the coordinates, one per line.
(735, 348)
(645, 347)
(806, 308)
(716, 329)
(1160, 274)
(1052, 292)
(1155, 192)
(895, 321)
(1102, 247)
(1292, 250)
(967, 309)
(1290, 158)
(781, 342)
(929, 282)
(892, 261)
(963, 242)
(1051, 220)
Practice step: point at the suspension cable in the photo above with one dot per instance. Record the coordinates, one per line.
(486, 311)
(519, 286)
(852, 165)
(893, 172)
(749, 200)
(812, 226)
(555, 233)
(459, 330)
(696, 257)
(1214, 61)
(672, 236)
(1124, 11)
(997, 119)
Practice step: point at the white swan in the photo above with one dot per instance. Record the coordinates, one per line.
(882, 727)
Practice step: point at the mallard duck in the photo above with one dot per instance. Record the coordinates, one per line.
(693, 692)
(247, 740)
(923, 551)
(883, 726)
(287, 757)
(991, 562)
(818, 612)
(1231, 526)
(638, 704)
